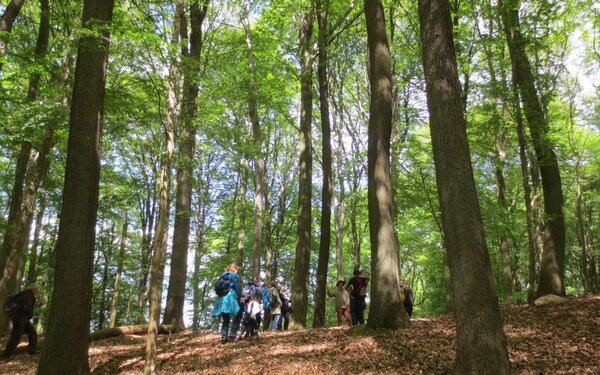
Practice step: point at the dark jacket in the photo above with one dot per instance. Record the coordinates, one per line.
(26, 301)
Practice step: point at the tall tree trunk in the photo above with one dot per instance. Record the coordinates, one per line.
(160, 233)
(259, 162)
(325, 229)
(187, 146)
(481, 343)
(339, 211)
(241, 238)
(303, 234)
(6, 23)
(35, 244)
(108, 251)
(114, 307)
(67, 335)
(552, 267)
(386, 310)
(148, 218)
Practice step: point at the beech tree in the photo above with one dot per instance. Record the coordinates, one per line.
(481, 343)
(67, 335)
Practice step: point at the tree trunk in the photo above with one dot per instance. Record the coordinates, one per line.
(66, 348)
(386, 310)
(6, 23)
(187, 146)
(241, 238)
(303, 234)
(160, 233)
(326, 193)
(117, 287)
(552, 267)
(481, 343)
(339, 211)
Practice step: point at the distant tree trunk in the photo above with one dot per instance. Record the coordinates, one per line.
(386, 310)
(36, 166)
(160, 233)
(66, 346)
(107, 252)
(304, 235)
(326, 193)
(35, 244)
(148, 214)
(11, 12)
(203, 204)
(259, 163)
(339, 212)
(187, 147)
(531, 243)
(481, 343)
(117, 286)
(552, 267)
(241, 238)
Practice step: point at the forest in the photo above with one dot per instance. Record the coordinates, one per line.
(452, 145)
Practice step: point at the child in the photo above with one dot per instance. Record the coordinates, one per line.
(342, 302)
(253, 310)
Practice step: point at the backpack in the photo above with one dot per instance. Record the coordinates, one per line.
(222, 286)
(251, 290)
(266, 298)
(273, 303)
(11, 302)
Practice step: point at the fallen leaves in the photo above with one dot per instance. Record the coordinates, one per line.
(550, 339)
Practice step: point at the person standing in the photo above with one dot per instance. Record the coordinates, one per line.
(228, 306)
(342, 303)
(408, 298)
(357, 289)
(21, 317)
(275, 305)
(286, 310)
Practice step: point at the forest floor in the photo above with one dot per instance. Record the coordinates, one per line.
(550, 339)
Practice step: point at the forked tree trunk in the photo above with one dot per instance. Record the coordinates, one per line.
(326, 157)
(303, 234)
(160, 233)
(481, 343)
(552, 267)
(187, 147)
(66, 348)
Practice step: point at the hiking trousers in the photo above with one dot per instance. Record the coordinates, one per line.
(20, 325)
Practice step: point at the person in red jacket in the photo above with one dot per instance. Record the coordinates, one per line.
(21, 322)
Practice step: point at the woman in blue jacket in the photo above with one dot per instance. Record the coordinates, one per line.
(228, 305)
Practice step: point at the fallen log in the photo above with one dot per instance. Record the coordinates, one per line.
(141, 329)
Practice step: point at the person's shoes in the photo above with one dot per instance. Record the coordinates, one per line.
(237, 339)
(224, 340)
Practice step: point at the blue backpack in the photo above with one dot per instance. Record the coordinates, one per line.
(223, 285)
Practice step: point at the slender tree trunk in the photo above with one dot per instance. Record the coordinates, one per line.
(339, 211)
(386, 309)
(187, 146)
(11, 12)
(160, 233)
(66, 346)
(241, 240)
(481, 343)
(117, 286)
(35, 244)
(552, 267)
(105, 279)
(325, 240)
(304, 235)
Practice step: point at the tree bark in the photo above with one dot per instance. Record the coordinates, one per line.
(160, 233)
(386, 310)
(481, 343)
(303, 234)
(552, 267)
(327, 189)
(187, 147)
(117, 286)
(66, 348)
(6, 23)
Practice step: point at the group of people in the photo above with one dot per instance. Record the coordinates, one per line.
(350, 301)
(246, 308)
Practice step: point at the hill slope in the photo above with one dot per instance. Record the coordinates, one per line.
(551, 339)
